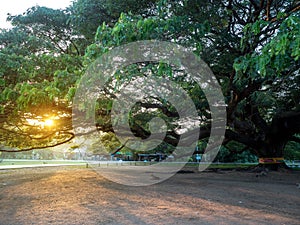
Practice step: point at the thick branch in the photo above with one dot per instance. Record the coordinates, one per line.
(243, 139)
(41, 147)
(259, 121)
(269, 3)
(120, 148)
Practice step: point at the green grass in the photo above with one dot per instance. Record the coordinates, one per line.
(191, 165)
(137, 163)
(39, 162)
(230, 166)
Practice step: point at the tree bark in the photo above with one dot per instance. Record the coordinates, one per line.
(281, 130)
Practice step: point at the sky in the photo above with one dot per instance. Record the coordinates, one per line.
(16, 7)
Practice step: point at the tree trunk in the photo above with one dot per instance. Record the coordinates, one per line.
(282, 128)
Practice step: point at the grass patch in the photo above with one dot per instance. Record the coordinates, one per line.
(40, 162)
(177, 164)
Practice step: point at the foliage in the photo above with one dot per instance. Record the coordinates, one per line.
(252, 47)
(292, 151)
(52, 28)
(87, 15)
(40, 64)
(235, 152)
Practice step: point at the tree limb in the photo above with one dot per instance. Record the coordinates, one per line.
(41, 147)
(246, 140)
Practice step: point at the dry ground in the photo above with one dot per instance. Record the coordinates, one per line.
(69, 195)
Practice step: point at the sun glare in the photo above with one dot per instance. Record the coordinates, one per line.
(41, 123)
(49, 122)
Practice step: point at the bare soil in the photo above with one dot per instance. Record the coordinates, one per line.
(73, 195)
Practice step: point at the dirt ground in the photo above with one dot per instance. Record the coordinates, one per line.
(70, 195)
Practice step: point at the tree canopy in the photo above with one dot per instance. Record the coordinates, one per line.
(251, 46)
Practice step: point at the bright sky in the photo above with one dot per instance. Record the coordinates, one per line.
(16, 7)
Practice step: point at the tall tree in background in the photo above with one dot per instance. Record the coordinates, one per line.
(53, 27)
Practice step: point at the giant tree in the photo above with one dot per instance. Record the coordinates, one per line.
(251, 46)
(253, 50)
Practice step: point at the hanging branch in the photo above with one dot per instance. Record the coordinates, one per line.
(40, 147)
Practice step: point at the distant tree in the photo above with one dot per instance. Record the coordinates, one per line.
(51, 26)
